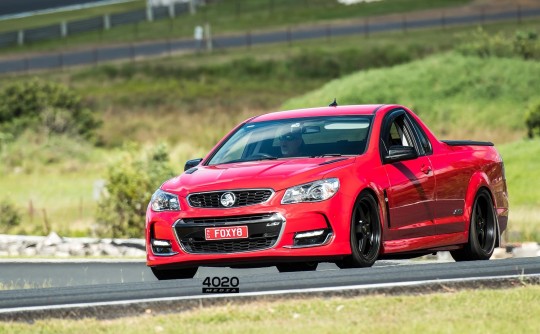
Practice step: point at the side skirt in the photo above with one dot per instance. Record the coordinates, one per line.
(424, 243)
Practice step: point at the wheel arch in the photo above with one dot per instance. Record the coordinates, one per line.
(380, 199)
(479, 181)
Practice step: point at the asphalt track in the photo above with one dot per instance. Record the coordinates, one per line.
(8, 7)
(164, 47)
(251, 281)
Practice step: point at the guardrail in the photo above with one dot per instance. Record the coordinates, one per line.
(103, 23)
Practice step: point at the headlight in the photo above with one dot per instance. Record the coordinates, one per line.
(163, 201)
(311, 192)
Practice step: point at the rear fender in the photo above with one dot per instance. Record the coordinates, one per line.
(478, 180)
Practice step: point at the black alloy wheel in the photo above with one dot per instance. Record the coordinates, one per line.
(482, 230)
(167, 274)
(366, 232)
(297, 266)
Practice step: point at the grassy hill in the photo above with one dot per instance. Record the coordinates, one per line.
(458, 97)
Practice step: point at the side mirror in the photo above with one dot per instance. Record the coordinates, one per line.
(400, 153)
(192, 163)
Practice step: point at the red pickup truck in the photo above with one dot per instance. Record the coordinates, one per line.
(343, 184)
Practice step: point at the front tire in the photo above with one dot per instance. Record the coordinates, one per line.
(482, 230)
(365, 233)
(168, 274)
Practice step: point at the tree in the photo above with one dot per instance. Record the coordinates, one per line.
(533, 120)
(10, 216)
(38, 105)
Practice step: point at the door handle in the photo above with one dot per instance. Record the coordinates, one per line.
(425, 169)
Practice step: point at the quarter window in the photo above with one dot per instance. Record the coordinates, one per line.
(424, 141)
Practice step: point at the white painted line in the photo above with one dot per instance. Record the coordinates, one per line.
(263, 293)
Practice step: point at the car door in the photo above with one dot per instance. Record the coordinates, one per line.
(411, 192)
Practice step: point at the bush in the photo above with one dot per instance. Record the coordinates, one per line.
(533, 120)
(526, 45)
(523, 45)
(484, 45)
(37, 105)
(310, 64)
(131, 182)
(10, 216)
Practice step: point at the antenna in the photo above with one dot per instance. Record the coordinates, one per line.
(333, 104)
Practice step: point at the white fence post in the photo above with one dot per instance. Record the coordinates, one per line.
(63, 29)
(20, 37)
(149, 13)
(208, 37)
(172, 12)
(106, 22)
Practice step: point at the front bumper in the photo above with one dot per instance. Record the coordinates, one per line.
(273, 229)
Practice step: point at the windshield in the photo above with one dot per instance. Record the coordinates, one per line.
(290, 138)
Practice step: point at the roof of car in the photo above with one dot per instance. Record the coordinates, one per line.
(366, 109)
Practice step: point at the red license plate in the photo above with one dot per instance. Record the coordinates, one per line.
(220, 233)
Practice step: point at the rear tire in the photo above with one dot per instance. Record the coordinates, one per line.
(365, 233)
(298, 266)
(482, 230)
(167, 274)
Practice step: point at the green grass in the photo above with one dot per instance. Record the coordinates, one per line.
(24, 284)
(457, 97)
(56, 194)
(72, 15)
(522, 167)
(237, 16)
(472, 311)
(522, 164)
(65, 200)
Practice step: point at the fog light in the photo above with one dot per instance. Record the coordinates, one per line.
(161, 243)
(309, 234)
(312, 238)
(162, 247)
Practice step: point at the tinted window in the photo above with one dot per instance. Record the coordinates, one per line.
(397, 134)
(424, 141)
(289, 138)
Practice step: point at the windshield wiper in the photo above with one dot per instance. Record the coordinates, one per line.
(327, 155)
(257, 158)
(263, 157)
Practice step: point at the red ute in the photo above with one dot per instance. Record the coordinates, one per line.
(345, 184)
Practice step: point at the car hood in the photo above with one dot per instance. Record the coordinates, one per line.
(274, 174)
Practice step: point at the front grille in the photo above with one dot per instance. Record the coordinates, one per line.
(265, 217)
(263, 232)
(228, 246)
(243, 198)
